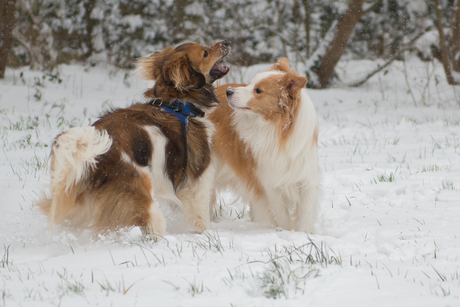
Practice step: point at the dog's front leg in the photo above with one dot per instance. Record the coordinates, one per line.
(196, 198)
(309, 206)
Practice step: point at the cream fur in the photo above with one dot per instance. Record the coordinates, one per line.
(74, 153)
(163, 189)
(193, 197)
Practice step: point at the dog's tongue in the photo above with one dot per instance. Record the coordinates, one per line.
(221, 69)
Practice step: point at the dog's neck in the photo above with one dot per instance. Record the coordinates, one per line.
(203, 98)
(179, 108)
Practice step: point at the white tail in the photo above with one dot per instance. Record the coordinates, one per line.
(74, 154)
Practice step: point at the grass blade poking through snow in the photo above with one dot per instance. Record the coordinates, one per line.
(289, 267)
(5, 262)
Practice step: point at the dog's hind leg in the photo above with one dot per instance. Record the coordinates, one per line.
(74, 155)
(128, 202)
(213, 206)
(155, 225)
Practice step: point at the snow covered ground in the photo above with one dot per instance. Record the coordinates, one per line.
(387, 234)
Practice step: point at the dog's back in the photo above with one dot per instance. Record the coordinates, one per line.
(114, 173)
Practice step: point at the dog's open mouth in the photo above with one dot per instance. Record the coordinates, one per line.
(218, 71)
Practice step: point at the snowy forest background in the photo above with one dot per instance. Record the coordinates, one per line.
(389, 148)
(317, 33)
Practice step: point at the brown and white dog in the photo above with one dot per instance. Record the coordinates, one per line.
(114, 173)
(266, 147)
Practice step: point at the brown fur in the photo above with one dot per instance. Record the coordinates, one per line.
(278, 106)
(123, 126)
(283, 65)
(227, 144)
(179, 72)
(229, 147)
(115, 193)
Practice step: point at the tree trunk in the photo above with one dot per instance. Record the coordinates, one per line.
(442, 45)
(179, 19)
(7, 19)
(90, 24)
(307, 26)
(455, 42)
(335, 50)
(337, 46)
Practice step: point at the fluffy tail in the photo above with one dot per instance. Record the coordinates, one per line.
(74, 154)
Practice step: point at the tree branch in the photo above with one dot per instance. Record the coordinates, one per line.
(23, 40)
(372, 7)
(394, 57)
(287, 41)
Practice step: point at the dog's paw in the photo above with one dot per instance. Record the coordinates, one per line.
(200, 225)
(155, 227)
(151, 236)
(151, 233)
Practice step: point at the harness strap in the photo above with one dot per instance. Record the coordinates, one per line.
(183, 111)
(184, 141)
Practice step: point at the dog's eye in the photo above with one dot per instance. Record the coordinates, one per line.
(259, 91)
(205, 54)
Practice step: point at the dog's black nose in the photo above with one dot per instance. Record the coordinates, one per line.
(226, 43)
(230, 91)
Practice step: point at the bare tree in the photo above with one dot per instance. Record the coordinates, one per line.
(337, 46)
(7, 19)
(401, 50)
(90, 24)
(38, 39)
(445, 59)
(306, 24)
(180, 16)
(455, 40)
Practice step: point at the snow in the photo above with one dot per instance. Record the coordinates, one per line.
(387, 234)
(418, 6)
(133, 21)
(195, 9)
(430, 38)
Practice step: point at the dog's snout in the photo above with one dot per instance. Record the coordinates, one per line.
(230, 91)
(226, 43)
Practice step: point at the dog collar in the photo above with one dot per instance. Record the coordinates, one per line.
(180, 109)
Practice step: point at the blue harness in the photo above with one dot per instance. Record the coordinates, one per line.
(183, 111)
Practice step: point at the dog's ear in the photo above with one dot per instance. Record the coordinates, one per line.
(294, 83)
(290, 95)
(149, 68)
(281, 65)
(177, 69)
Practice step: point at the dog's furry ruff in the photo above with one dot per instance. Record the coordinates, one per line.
(270, 159)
